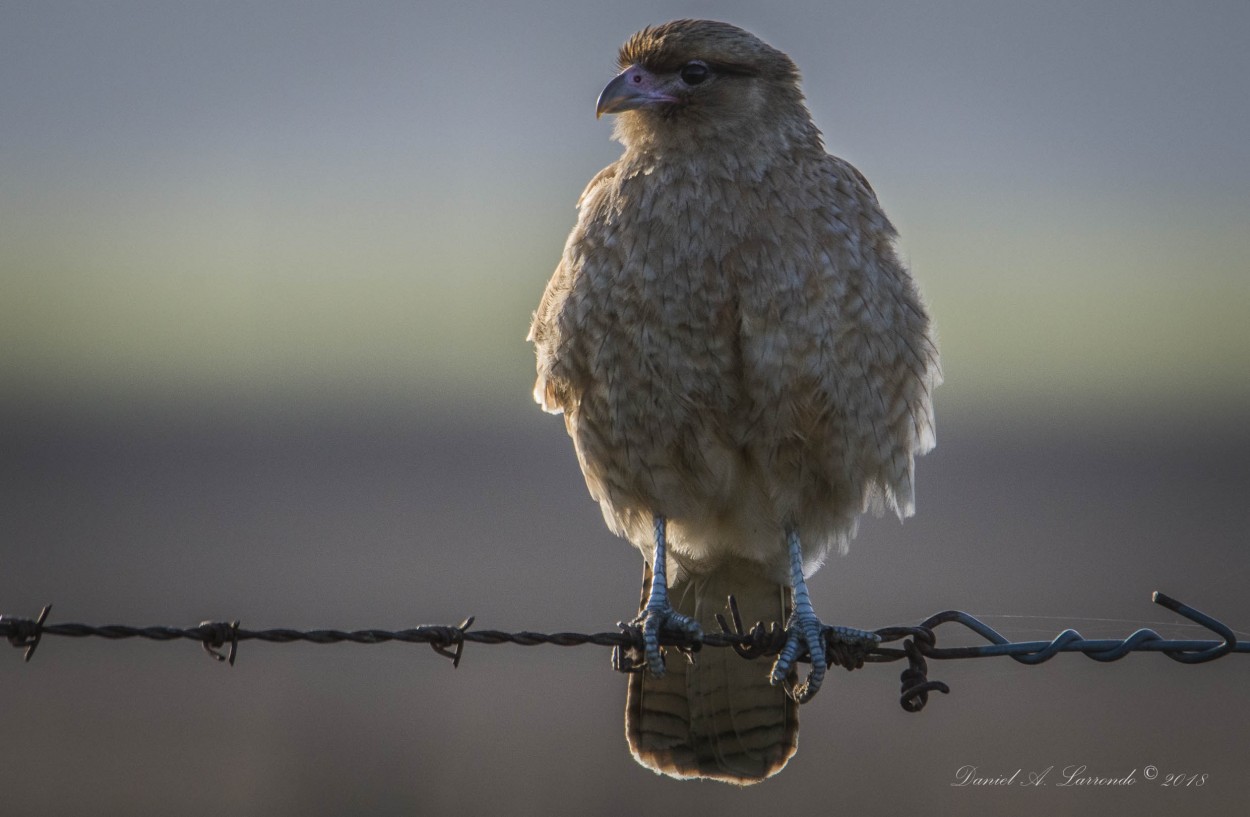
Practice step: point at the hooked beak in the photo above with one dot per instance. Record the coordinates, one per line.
(633, 88)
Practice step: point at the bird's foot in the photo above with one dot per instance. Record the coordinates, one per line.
(804, 630)
(658, 614)
(659, 617)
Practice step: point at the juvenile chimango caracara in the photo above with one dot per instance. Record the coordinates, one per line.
(744, 366)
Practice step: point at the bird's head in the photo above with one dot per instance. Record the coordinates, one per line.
(699, 78)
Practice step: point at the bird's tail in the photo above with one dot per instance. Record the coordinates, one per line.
(717, 717)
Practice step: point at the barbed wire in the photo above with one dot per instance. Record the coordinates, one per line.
(846, 647)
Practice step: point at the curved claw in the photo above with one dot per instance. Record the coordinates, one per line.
(805, 629)
(654, 619)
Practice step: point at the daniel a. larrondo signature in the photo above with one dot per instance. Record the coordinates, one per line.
(1074, 776)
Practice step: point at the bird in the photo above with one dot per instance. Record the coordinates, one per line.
(745, 367)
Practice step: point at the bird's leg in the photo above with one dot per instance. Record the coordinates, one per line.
(804, 629)
(659, 613)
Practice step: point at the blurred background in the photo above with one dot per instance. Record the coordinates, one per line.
(266, 272)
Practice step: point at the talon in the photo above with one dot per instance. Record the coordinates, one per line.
(803, 629)
(658, 613)
(652, 621)
(807, 631)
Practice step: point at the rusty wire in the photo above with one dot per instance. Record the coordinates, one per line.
(845, 647)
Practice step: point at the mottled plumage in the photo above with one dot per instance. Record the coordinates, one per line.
(737, 349)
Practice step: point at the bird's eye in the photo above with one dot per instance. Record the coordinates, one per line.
(692, 73)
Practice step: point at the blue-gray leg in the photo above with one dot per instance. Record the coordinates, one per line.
(659, 613)
(805, 629)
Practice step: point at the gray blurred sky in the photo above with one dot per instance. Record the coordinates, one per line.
(249, 200)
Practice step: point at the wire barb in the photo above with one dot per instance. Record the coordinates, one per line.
(216, 635)
(444, 637)
(915, 679)
(23, 632)
(848, 647)
(756, 643)
(627, 656)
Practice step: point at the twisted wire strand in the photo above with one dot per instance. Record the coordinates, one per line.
(847, 647)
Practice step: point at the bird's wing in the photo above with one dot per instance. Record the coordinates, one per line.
(550, 389)
(889, 373)
(838, 355)
(553, 389)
